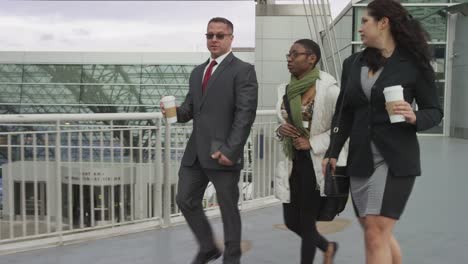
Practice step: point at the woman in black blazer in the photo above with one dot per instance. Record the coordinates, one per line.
(384, 158)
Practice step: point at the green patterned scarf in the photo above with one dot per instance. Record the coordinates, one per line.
(296, 89)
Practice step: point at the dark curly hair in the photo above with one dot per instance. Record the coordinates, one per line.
(407, 32)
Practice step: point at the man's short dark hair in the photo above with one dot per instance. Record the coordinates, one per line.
(224, 21)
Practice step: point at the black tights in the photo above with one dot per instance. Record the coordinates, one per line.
(300, 215)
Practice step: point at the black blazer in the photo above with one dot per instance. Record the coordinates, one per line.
(222, 116)
(364, 121)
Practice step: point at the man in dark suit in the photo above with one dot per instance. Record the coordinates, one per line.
(222, 102)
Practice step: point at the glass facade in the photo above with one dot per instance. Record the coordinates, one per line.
(89, 88)
(433, 19)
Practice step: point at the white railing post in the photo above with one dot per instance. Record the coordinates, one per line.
(123, 176)
(48, 185)
(112, 191)
(11, 186)
(35, 191)
(58, 180)
(167, 177)
(81, 188)
(23, 188)
(159, 171)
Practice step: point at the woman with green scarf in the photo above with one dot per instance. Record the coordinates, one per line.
(305, 108)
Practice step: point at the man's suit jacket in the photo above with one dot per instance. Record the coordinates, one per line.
(364, 121)
(223, 115)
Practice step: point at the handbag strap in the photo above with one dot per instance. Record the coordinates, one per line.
(287, 106)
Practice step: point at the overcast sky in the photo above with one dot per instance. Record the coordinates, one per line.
(123, 25)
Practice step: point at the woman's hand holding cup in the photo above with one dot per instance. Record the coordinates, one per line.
(404, 108)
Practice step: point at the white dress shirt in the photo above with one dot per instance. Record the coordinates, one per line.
(218, 62)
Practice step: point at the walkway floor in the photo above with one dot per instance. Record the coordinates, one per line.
(433, 229)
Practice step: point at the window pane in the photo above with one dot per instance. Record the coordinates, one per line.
(359, 12)
(50, 73)
(439, 61)
(433, 20)
(11, 73)
(10, 93)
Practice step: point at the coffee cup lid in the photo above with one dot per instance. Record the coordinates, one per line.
(168, 98)
(393, 88)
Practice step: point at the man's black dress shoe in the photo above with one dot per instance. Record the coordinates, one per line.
(207, 257)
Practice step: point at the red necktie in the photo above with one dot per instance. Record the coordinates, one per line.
(208, 75)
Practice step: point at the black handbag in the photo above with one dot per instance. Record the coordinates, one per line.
(330, 207)
(336, 186)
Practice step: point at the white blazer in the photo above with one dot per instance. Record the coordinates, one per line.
(324, 108)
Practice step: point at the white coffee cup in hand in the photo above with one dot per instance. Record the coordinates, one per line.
(168, 108)
(394, 95)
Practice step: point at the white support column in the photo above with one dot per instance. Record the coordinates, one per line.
(449, 56)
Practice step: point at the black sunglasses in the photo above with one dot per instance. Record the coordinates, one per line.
(218, 36)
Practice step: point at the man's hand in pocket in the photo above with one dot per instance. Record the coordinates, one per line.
(223, 160)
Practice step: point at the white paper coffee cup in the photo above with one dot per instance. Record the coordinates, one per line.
(170, 107)
(393, 95)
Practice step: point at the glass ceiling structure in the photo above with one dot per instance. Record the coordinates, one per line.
(89, 88)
